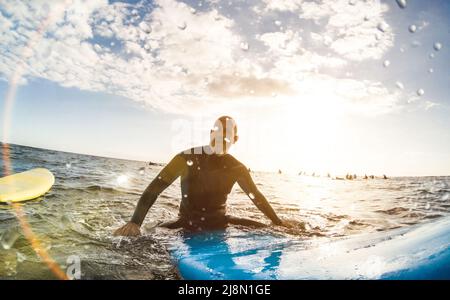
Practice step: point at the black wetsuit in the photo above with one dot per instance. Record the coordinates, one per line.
(206, 181)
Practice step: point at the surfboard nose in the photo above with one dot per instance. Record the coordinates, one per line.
(26, 185)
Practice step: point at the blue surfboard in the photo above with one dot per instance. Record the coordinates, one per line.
(416, 252)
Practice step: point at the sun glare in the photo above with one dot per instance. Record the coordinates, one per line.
(312, 129)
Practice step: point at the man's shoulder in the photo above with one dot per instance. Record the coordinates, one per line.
(193, 150)
(234, 161)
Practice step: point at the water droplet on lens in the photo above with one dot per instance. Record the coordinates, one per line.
(278, 23)
(20, 257)
(112, 44)
(244, 46)
(198, 168)
(412, 28)
(145, 27)
(193, 10)
(202, 218)
(352, 2)
(65, 221)
(182, 26)
(399, 85)
(386, 63)
(420, 92)
(401, 3)
(437, 46)
(189, 163)
(134, 12)
(431, 55)
(203, 209)
(185, 195)
(430, 70)
(147, 47)
(382, 26)
(9, 237)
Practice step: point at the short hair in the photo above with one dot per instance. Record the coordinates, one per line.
(224, 121)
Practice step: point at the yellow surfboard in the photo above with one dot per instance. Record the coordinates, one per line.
(26, 185)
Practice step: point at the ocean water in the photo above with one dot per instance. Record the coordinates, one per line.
(93, 196)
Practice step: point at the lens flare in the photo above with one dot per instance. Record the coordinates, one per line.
(7, 169)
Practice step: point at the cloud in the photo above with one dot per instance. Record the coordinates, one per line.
(235, 86)
(430, 105)
(286, 5)
(174, 58)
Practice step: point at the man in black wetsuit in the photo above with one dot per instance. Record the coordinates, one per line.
(208, 174)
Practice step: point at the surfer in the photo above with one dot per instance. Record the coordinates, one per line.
(208, 174)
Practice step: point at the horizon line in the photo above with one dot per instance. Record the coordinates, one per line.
(164, 163)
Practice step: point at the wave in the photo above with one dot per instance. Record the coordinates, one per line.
(393, 211)
(98, 188)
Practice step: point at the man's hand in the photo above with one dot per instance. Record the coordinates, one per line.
(129, 229)
(291, 224)
(277, 222)
(283, 224)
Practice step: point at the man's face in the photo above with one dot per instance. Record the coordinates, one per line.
(223, 136)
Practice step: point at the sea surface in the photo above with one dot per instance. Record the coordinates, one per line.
(93, 196)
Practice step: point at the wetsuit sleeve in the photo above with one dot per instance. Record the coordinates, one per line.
(165, 178)
(245, 181)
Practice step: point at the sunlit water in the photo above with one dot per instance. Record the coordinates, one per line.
(92, 196)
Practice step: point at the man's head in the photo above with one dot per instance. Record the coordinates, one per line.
(223, 134)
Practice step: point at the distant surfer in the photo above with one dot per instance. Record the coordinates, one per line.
(208, 174)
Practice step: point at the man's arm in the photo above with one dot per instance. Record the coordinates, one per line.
(245, 181)
(165, 178)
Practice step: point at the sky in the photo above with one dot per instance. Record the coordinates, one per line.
(357, 86)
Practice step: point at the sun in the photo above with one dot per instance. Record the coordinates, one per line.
(308, 134)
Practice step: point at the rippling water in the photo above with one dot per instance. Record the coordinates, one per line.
(92, 196)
